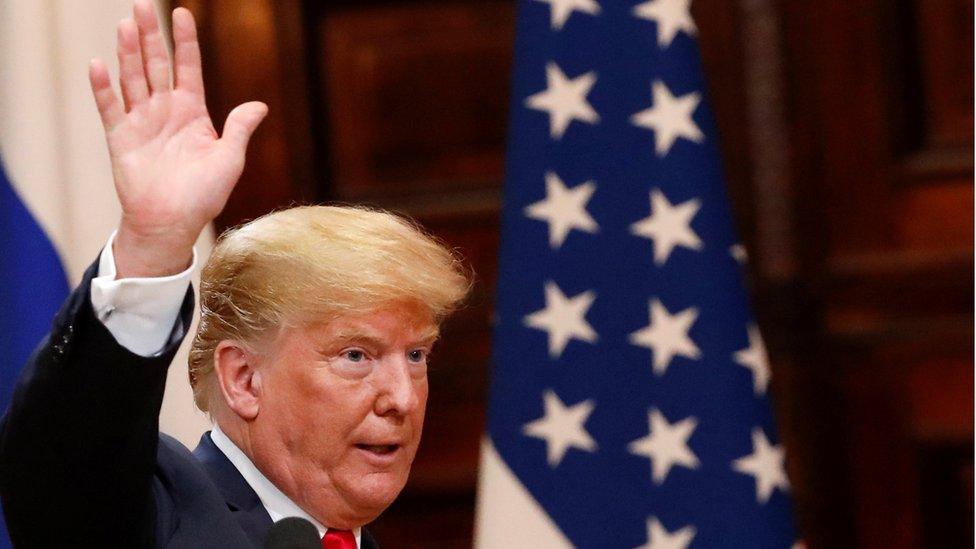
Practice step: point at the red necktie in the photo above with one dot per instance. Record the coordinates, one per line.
(338, 539)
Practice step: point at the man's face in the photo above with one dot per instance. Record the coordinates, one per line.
(341, 411)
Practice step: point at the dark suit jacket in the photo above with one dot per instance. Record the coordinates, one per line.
(82, 462)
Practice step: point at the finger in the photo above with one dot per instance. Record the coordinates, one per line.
(154, 56)
(107, 102)
(187, 71)
(132, 78)
(240, 125)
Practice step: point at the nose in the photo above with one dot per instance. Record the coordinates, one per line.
(398, 393)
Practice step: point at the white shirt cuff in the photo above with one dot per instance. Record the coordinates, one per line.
(138, 312)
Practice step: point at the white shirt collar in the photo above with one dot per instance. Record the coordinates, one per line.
(277, 504)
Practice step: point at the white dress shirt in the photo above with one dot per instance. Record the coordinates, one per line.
(140, 314)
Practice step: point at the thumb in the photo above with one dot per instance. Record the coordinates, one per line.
(241, 123)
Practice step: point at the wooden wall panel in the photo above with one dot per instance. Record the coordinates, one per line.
(416, 96)
(883, 123)
(943, 32)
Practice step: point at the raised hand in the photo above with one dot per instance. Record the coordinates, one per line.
(173, 173)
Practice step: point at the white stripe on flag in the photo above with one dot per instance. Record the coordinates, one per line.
(507, 516)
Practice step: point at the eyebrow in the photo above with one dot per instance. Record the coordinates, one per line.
(428, 337)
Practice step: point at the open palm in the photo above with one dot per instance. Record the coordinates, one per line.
(173, 173)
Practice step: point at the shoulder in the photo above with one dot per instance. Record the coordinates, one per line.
(170, 446)
(178, 468)
(191, 511)
(178, 479)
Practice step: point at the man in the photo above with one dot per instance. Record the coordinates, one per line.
(310, 358)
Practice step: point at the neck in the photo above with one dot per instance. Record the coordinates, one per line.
(236, 431)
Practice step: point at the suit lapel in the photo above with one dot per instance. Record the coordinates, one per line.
(241, 499)
(367, 541)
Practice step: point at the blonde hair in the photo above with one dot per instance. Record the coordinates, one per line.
(315, 263)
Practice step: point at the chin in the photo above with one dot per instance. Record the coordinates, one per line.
(376, 491)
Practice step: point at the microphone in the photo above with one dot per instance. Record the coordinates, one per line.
(293, 533)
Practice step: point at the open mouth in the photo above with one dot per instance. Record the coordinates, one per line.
(379, 449)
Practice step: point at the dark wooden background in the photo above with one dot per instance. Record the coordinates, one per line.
(847, 130)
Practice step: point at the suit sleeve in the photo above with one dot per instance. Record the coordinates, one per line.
(78, 443)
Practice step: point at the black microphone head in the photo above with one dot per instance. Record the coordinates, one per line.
(293, 533)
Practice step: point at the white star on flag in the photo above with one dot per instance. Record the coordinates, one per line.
(564, 209)
(668, 226)
(739, 253)
(667, 335)
(755, 359)
(562, 427)
(666, 445)
(564, 99)
(669, 117)
(659, 538)
(671, 17)
(562, 9)
(563, 318)
(766, 463)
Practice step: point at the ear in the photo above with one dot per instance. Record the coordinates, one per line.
(240, 382)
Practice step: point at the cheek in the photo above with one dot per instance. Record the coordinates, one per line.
(337, 412)
(422, 396)
(420, 412)
(320, 415)
(294, 400)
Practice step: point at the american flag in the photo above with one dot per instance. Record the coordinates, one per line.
(629, 403)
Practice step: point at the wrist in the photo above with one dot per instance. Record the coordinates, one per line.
(149, 256)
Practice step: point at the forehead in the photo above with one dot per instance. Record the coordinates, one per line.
(390, 325)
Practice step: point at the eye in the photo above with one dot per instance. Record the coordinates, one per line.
(352, 363)
(417, 355)
(354, 355)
